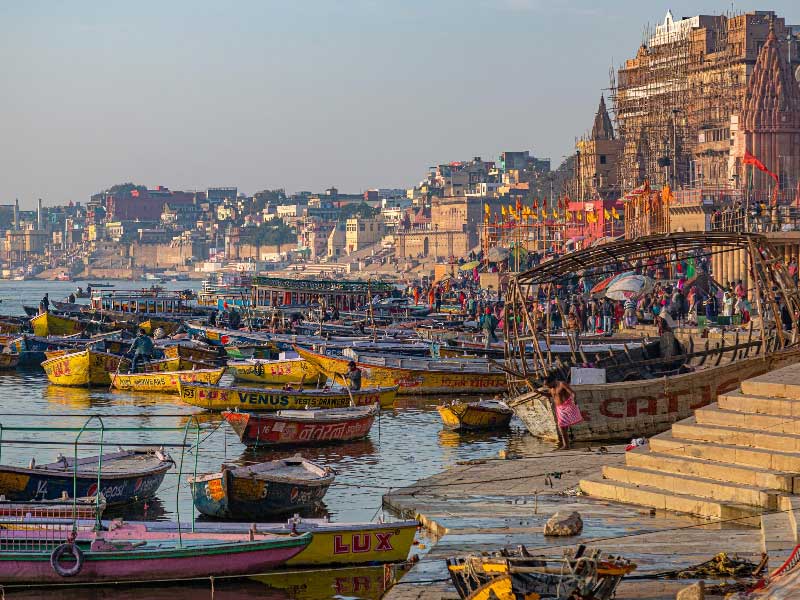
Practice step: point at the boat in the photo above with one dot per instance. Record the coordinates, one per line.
(84, 367)
(272, 399)
(475, 416)
(168, 327)
(288, 370)
(302, 427)
(415, 375)
(165, 381)
(518, 575)
(37, 557)
(31, 311)
(125, 476)
(256, 491)
(8, 360)
(644, 395)
(47, 324)
(191, 352)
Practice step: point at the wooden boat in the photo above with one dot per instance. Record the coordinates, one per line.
(85, 367)
(191, 352)
(150, 325)
(48, 324)
(98, 556)
(165, 381)
(289, 370)
(272, 399)
(8, 360)
(256, 491)
(125, 476)
(475, 416)
(645, 394)
(175, 364)
(302, 427)
(332, 543)
(574, 576)
(418, 376)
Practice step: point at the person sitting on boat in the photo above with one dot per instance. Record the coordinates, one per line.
(142, 348)
(71, 298)
(567, 412)
(353, 376)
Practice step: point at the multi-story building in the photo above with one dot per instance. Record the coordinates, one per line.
(363, 232)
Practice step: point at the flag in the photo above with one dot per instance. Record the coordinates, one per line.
(544, 212)
(606, 214)
(519, 205)
(535, 216)
(535, 204)
(666, 195)
(749, 159)
(614, 213)
(555, 214)
(487, 210)
(579, 215)
(503, 211)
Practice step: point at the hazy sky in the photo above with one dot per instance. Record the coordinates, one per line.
(301, 94)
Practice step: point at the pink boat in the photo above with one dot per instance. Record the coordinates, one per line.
(42, 554)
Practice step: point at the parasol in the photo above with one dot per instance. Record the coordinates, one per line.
(630, 286)
(469, 266)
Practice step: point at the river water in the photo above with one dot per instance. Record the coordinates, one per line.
(406, 444)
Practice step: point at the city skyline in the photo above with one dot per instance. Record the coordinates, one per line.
(358, 95)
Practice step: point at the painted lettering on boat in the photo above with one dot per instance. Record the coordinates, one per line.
(359, 543)
(269, 399)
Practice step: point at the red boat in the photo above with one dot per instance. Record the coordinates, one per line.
(302, 427)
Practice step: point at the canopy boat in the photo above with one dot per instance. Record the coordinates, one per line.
(253, 492)
(49, 324)
(272, 399)
(37, 556)
(414, 375)
(644, 394)
(84, 368)
(302, 427)
(475, 416)
(146, 304)
(522, 576)
(8, 360)
(288, 370)
(165, 381)
(125, 476)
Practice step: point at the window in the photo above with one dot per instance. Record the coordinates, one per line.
(361, 227)
(602, 159)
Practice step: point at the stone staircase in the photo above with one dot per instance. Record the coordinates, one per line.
(737, 459)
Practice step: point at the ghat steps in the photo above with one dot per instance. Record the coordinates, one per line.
(735, 460)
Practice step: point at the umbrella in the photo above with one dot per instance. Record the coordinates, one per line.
(469, 266)
(630, 286)
(497, 254)
(602, 285)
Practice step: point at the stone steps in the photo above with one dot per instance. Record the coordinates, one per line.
(716, 415)
(726, 453)
(699, 487)
(689, 429)
(714, 470)
(760, 405)
(653, 497)
(783, 383)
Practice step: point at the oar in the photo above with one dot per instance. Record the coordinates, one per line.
(347, 387)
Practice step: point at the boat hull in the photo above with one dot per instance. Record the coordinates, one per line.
(461, 416)
(293, 370)
(411, 381)
(227, 496)
(167, 381)
(84, 368)
(252, 399)
(47, 324)
(190, 561)
(642, 408)
(273, 430)
(9, 361)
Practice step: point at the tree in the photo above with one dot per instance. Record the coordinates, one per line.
(125, 188)
(273, 235)
(363, 210)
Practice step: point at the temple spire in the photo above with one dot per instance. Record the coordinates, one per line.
(602, 128)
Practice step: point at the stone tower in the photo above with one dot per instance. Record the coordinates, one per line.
(599, 155)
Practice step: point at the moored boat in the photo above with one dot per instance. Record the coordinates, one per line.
(289, 370)
(302, 427)
(272, 399)
(191, 352)
(475, 416)
(416, 375)
(49, 324)
(125, 476)
(8, 360)
(165, 381)
(84, 367)
(256, 491)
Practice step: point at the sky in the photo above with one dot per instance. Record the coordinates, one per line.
(300, 94)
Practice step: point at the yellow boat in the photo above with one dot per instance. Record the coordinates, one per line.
(475, 416)
(426, 377)
(254, 399)
(46, 324)
(151, 325)
(363, 582)
(290, 370)
(84, 367)
(166, 381)
(192, 353)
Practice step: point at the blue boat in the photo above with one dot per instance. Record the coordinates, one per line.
(125, 476)
(262, 490)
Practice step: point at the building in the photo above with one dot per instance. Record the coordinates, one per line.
(597, 160)
(144, 205)
(361, 233)
(679, 102)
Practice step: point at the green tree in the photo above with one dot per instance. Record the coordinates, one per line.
(362, 210)
(125, 188)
